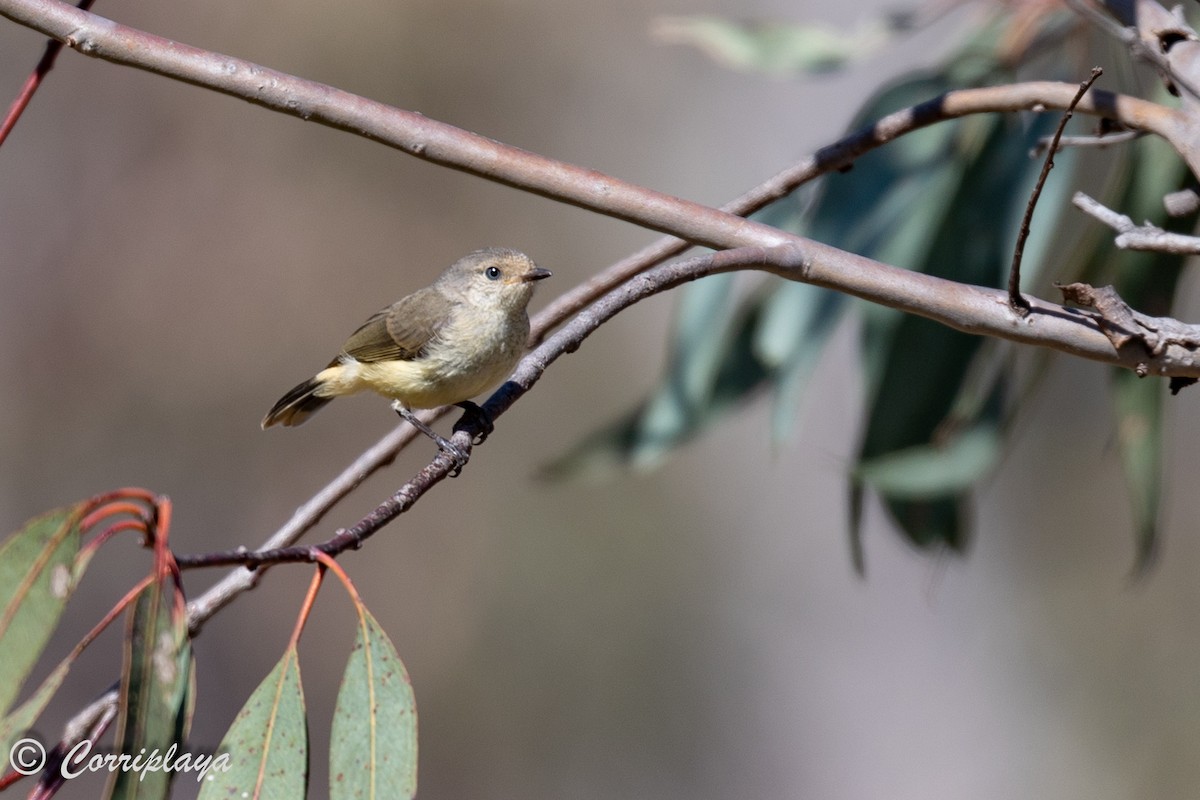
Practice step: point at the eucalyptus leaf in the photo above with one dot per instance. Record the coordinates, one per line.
(37, 577)
(925, 471)
(373, 746)
(267, 745)
(156, 687)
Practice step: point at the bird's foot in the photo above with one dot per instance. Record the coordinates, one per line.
(456, 453)
(479, 416)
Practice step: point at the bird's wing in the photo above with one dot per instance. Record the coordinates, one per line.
(399, 332)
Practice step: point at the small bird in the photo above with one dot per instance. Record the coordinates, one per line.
(439, 346)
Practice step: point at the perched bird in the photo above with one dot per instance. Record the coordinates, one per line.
(439, 346)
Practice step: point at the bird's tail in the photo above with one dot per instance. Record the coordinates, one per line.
(296, 406)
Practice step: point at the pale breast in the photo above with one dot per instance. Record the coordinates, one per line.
(468, 357)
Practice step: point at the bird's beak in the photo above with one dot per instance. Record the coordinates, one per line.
(535, 274)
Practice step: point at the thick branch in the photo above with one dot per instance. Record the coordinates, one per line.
(449, 146)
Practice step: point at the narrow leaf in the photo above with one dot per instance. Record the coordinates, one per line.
(920, 373)
(374, 742)
(267, 744)
(155, 689)
(707, 374)
(927, 471)
(36, 579)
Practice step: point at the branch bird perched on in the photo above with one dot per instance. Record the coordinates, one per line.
(439, 346)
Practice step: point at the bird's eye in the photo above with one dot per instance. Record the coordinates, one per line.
(492, 273)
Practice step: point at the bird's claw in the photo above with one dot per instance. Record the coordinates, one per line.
(479, 416)
(456, 454)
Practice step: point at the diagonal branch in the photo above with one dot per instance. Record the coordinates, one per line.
(444, 144)
(1090, 334)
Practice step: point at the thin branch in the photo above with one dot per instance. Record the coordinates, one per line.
(444, 144)
(1087, 335)
(304, 519)
(1125, 326)
(1137, 237)
(1181, 203)
(458, 149)
(1094, 141)
(1018, 303)
(34, 81)
(837, 156)
(567, 340)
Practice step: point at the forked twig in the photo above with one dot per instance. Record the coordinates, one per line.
(1016, 300)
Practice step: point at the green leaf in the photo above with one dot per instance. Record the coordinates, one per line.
(929, 471)
(796, 322)
(373, 751)
(155, 689)
(711, 366)
(267, 744)
(37, 577)
(1137, 406)
(927, 385)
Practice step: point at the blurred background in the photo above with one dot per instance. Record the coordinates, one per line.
(174, 260)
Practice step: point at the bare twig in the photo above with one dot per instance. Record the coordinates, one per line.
(1137, 237)
(1015, 299)
(1124, 326)
(44, 65)
(304, 519)
(1181, 203)
(1096, 141)
(567, 340)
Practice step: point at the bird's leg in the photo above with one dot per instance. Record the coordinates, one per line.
(481, 418)
(445, 445)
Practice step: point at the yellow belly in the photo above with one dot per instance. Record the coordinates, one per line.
(440, 378)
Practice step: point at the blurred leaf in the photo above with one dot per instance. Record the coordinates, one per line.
(1137, 406)
(881, 208)
(268, 742)
(796, 322)
(711, 366)
(919, 370)
(776, 48)
(155, 688)
(700, 343)
(931, 471)
(373, 751)
(37, 576)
